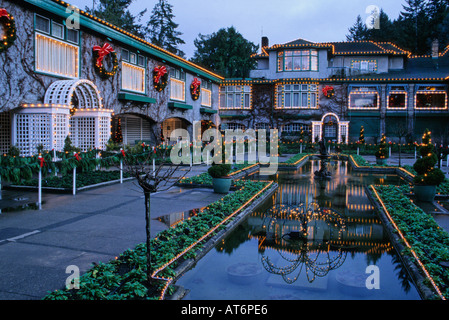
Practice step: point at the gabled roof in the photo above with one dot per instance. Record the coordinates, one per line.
(340, 48)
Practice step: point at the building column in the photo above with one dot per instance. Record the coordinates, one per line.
(411, 110)
(383, 108)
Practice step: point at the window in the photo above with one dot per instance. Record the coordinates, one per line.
(364, 99)
(235, 97)
(232, 126)
(364, 65)
(42, 24)
(133, 71)
(431, 99)
(397, 100)
(53, 53)
(302, 96)
(56, 57)
(133, 78)
(206, 93)
(298, 60)
(177, 85)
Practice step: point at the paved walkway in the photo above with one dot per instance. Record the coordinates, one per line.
(95, 225)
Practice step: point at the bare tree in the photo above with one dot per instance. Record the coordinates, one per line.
(401, 131)
(161, 179)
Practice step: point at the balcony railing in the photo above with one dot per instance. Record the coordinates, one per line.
(345, 72)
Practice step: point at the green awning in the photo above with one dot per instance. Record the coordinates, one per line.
(234, 116)
(177, 105)
(207, 110)
(135, 97)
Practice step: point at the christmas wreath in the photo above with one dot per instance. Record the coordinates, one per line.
(99, 54)
(10, 30)
(328, 91)
(160, 78)
(195, 89)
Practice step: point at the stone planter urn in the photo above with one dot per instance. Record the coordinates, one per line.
(221, 185)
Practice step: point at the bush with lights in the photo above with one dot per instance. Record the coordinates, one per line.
(427, 174)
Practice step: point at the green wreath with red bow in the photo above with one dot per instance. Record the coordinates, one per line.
(9, 26)
(160, 78)
(195, 89)
(328, 91)
(99, 54)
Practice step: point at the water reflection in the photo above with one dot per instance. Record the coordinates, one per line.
(313, 239)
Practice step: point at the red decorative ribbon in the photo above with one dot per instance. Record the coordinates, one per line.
(154, 150)
(123, 153)
(102, 52)
(160, 72)
(77, 157)
(4, 13)
(41, 161)
(196, 84)
(327, 89)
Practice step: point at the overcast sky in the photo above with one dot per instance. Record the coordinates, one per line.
(280, 20)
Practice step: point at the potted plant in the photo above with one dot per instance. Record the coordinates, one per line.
(382, 152)
(220, 179)
(428, 177)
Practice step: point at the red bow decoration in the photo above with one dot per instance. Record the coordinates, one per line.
(196, 83)
(77, 157)
(102, 52)
(327, 90)
(123, 153)
(154, 150)
(41, 161)
(160, 72)
(4, 13)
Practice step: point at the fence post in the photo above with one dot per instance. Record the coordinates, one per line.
(39, 184)
(74, 179)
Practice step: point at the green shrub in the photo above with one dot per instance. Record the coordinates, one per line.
(427, 174)
(219, 170)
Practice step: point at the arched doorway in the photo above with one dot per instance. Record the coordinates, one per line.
(133, 128)
(171, 124)
(71, 107)
(330, 128)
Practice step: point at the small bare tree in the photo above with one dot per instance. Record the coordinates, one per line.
(162, 178)
(401, 132)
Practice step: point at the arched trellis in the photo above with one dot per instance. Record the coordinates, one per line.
(49, 123)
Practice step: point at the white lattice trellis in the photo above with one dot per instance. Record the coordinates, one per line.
(5, 132)
(50, 123)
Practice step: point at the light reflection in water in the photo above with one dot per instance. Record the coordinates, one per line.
(312, 240)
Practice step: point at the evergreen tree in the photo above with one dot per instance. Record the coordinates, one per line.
(116, 12)
(385, 31)
(358, 31)
(226, 52)
(161, 29)
(414, 27)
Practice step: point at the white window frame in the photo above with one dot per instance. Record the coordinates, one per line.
(288, 94)
(236, 97)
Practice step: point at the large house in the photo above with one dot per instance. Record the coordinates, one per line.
(330, 90)
(64, 72)
(70, 73)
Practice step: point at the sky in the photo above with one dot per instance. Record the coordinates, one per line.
(279, 20)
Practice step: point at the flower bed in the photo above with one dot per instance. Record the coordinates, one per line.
(125, 277)
(205, 179)
(426, 242)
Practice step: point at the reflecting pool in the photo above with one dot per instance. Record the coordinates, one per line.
(313, 239)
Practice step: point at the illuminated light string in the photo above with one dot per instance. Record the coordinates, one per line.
(408, 245)
(170, 280)
(136, 38)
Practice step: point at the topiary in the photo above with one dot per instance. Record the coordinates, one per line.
(219, 170)
(381, 152)
(427, 174)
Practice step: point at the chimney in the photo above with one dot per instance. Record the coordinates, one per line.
(435, 49)
(435, 52)
(265, 42)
